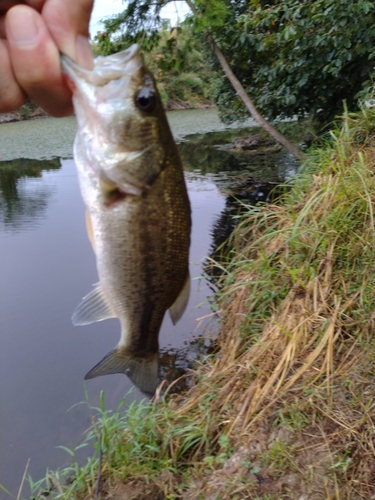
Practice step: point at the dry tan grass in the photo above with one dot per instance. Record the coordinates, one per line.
(294, 388)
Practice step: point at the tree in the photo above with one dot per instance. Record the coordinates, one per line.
(299, 57)
(140, 22)
(176, 57)
(205, 14)
(294, 58)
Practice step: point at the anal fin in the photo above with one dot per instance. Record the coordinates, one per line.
(178, 307)
(93, 307)
(143, 372)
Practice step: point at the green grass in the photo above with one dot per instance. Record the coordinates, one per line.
(135, 440)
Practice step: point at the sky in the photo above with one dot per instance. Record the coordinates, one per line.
(104, 8)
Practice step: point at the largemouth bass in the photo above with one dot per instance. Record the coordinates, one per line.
(138, 211)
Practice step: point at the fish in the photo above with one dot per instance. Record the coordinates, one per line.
(138, 213)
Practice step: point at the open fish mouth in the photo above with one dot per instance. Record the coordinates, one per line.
(106, 69)
(104, 102)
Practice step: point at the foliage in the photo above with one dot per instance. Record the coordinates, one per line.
(297, 305)
(297, 58)
(175, 57)
(140, 22)
(137, 440)
(179, 65)
(293, 58)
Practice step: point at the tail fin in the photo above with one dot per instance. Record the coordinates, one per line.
(143, 372)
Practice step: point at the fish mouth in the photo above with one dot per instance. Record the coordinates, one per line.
(106, 69)
(110, 139)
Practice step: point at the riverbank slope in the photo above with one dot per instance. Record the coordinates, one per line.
(284, 408)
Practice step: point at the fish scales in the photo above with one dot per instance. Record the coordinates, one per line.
(138, 211)
(160, 262)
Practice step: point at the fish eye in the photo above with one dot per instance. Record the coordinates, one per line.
(145, 100)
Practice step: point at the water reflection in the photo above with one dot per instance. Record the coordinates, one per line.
(242, 177)
(235, 203)
(23, 203)
(213, 153)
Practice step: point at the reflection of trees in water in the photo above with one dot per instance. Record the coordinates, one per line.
(243, 177)
(212, 153)
(207, 158)
(23, 202)
(239, 198)
(173, 365)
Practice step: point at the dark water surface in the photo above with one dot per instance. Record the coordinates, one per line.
(47, 265)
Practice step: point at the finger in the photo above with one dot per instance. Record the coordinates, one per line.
(7, 4)
(2, 27)
(36, 61)
(11, 94)
(36, 4)
(68, 22)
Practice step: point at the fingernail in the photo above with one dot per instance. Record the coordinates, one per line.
(84, 52)
(22, 26)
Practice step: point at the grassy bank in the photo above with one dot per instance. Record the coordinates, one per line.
(285, 407)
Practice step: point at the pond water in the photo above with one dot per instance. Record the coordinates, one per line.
(47, 265)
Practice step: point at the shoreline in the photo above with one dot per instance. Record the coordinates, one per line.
(19, 115)
(36, 112)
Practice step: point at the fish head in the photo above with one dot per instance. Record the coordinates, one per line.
(122, 129)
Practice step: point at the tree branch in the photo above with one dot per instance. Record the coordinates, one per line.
(245, 98)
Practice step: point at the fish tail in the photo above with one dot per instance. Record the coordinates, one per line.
(143, 372)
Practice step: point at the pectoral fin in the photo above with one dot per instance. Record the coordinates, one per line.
(93, 307)
(179, 306)
(143, 372)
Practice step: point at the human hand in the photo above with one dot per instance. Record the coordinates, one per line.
(32, 32)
